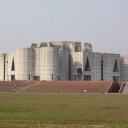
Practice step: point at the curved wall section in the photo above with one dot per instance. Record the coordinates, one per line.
(124, 68)
(36, 64)
(2, 66)
(23, 60)
(49, 63)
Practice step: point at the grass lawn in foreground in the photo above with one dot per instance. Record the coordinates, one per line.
(37, 110)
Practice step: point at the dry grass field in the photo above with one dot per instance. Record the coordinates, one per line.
(39, 110)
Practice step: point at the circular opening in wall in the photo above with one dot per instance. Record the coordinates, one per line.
(79, 71)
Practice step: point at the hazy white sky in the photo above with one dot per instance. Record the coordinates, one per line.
(103, 23)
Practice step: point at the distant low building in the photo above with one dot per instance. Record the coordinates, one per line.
(62, 60)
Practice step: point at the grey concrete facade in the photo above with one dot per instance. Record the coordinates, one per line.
(124, 68)
(62, 60)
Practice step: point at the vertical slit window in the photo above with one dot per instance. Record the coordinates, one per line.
(102, 68)
(13, 65)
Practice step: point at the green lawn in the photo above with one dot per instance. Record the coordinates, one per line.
(36, 110)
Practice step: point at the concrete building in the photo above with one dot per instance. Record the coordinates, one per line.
(124, 68)
(62, 60)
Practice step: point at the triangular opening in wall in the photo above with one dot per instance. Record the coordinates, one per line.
(115, 69)
(87, 65)
(13, 65)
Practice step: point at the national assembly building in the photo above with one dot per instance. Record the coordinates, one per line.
(62, 60)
